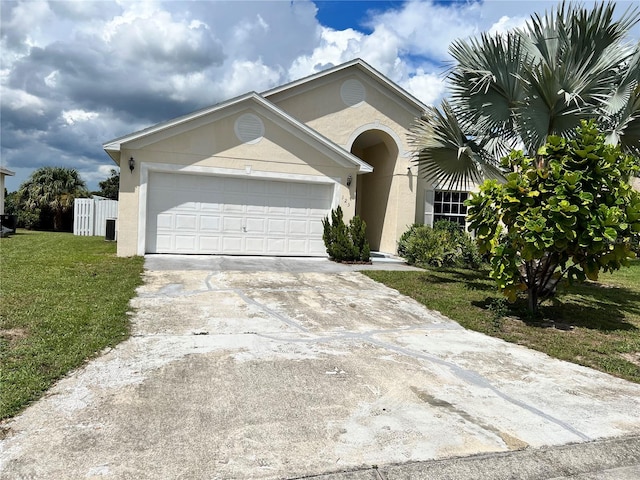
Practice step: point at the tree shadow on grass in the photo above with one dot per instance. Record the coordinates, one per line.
(591, 306)
(472, 279)
(595, 306)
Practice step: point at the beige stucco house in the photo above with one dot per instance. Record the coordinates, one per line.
(255, 175)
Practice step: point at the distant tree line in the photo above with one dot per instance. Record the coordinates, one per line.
(45, 200)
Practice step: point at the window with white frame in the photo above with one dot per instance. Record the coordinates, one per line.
(449, 205)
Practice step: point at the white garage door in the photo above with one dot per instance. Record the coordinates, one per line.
(224, 215)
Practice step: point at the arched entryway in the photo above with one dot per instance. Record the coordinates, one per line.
(373, 191)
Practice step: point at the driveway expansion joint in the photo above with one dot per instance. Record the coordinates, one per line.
(253, 375)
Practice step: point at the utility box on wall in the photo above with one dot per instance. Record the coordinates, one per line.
(110, 230)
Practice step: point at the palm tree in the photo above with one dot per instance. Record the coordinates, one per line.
(514, 90)
(52, 188)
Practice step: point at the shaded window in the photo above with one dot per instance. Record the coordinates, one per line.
(450, 206)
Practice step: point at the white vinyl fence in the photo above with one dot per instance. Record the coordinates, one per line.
(90, 215)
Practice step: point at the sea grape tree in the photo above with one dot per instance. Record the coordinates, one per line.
(568, 212)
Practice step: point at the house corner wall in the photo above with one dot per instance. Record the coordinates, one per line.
(128, 211)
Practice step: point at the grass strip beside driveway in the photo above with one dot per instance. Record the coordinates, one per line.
(596, 324)
(64, 298)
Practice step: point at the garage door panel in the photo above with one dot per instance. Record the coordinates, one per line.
(232, 244)
(235, 185)
(256, 225)
(209, 223)
(165, 220)
(276, 246)
(298, 212)
(297, 247)
(233, 202)
(207, 214)
(301, 189)
(187, 206)
(277, 188)
(316, 247)
(185, 243)
(210, 207)
(277, 226)
(180, 182)
(255, 245)
(317, 213)
(257, 187)
(209, 244)
(315, 228)
(257, 209)
(298, 227)
(232, 224)
(163, 243)
(186, 222)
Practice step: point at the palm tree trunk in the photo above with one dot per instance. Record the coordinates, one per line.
(57, 220)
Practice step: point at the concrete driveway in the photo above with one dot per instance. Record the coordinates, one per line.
(273, 368)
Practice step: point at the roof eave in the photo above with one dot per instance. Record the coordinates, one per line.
(158, 127)
(113, 147)
(365, 68)
(362, 166)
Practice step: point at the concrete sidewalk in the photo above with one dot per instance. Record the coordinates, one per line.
(610, 459)
(284, 370)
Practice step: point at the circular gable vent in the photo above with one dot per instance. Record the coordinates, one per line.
(249, 128)
(352, 92)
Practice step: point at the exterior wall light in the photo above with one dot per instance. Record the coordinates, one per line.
(349, 179)
(132, 164)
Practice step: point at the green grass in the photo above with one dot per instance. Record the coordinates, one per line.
(596, 324)
(63, 299)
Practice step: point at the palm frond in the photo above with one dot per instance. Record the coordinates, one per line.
(485, 85)
(624, 128)
(443, 152)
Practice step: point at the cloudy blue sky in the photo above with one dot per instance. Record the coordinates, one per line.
(75, 74)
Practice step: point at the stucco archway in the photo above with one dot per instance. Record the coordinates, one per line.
(374, 199)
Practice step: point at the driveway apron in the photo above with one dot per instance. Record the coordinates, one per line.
(273, 368)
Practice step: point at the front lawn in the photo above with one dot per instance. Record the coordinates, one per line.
(596, 324)
(64, 299)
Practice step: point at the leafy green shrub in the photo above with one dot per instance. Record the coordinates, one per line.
(444, 245)
(29, 219)
(345, 243)
(569, 212)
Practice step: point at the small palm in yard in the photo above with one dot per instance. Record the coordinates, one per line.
(52, 189)
(64, 299)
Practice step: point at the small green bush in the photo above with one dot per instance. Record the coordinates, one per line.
(357, 231)
(345, 243)
(29, 219)
(444, 245)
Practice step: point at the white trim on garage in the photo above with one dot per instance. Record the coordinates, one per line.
(146, 168)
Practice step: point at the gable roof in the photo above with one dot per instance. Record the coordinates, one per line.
(356, 64)
(283, 119)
